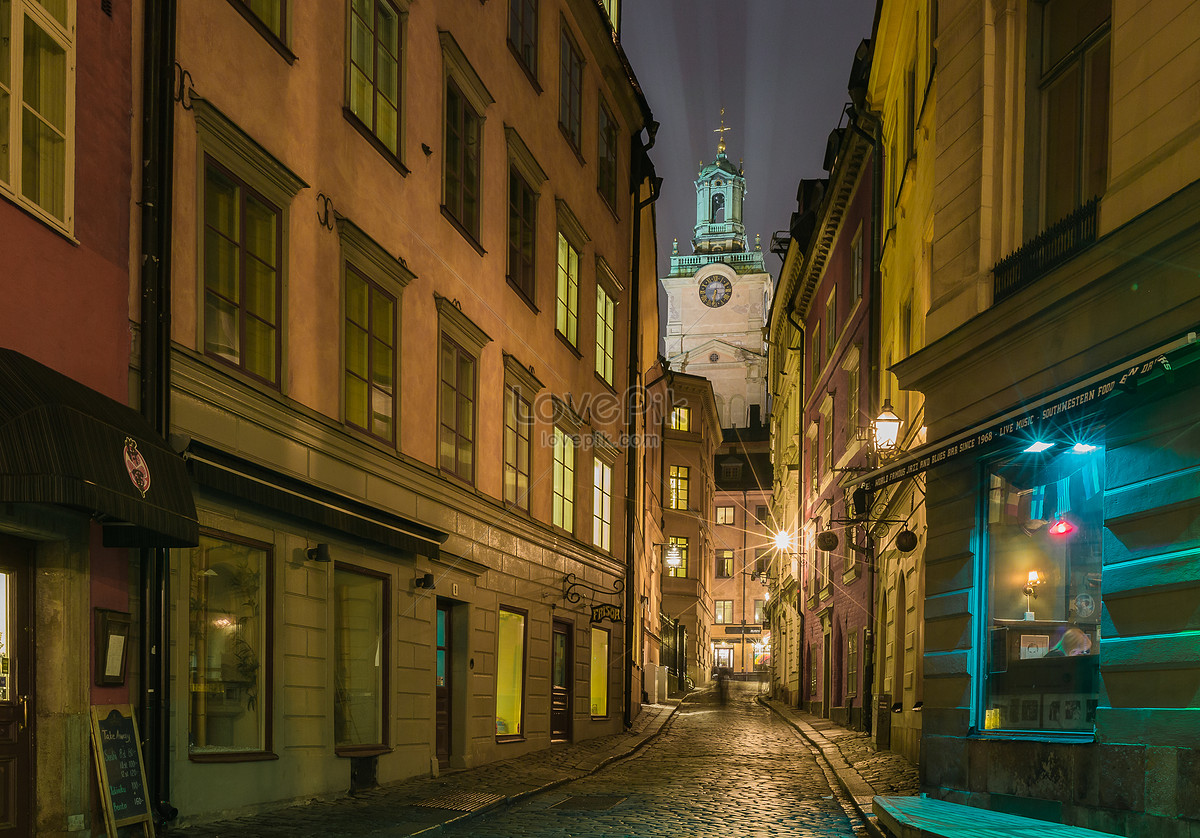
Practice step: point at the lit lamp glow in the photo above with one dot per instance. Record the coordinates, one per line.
(886, 428)
(673, 557)
(1030, 589)
(783, 540)
(1062, 527)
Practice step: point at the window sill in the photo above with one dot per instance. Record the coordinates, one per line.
(1055, 737)
(369, 135)
(529, 72)
(563, 339)
(610, 206)
(525, 298)
(850, 575)
(506, 739)
(571, 143)
(608, 385)
(238, 756)
(270, 37)
(456, 477)
(463, 231)
(352, 751)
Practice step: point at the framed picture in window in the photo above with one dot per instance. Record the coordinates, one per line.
(112, 646)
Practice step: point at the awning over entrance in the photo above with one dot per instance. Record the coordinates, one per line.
(63, 443)
(1032, 418)
(231, 475)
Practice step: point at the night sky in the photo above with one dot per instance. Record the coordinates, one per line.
(778, 67)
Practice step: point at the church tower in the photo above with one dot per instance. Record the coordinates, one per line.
(719, 297)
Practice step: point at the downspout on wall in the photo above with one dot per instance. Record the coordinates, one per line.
(158, 130)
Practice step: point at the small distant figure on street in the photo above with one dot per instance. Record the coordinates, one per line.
(723, 683)
(1073, 642)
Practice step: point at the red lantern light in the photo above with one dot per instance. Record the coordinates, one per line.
(1061, 527)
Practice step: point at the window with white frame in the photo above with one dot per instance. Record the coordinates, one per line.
(680, 480)
(566, 304)
(602, 504)
(681, 542)
(606, 323)
(724, 514)
(723, 611)
(852, 662)
(856, 266)
(37, 108)
(563, 507)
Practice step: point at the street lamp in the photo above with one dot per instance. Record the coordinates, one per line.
(886, 429)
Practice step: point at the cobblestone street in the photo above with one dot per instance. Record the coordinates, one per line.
(732, 769)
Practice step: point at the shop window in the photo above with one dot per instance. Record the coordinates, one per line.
(599, 673)
(229, 646)
(510, 674)
(360, 658)
(1044, 525)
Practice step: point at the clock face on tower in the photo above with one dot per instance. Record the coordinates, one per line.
(715, 291)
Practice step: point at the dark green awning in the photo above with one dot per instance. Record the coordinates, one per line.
(63, 443)
(302, 501)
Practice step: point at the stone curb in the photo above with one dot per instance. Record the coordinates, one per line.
(582, 769)
(858, 790)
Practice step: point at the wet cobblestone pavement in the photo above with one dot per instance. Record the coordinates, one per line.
(750, 767)
(733, 769)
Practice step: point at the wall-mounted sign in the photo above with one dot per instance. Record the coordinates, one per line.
(743, 629)
(606, 612)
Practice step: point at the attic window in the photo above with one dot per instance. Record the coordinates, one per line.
(731, 471)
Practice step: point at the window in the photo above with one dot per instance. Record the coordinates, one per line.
(522, 232)
(816, 355)
(1044, 536)
(813, 659)
(910, 112)
(271, 13)
(602, 504)
(566, 309)
(814, 468)
(518, 426)
(463, 133)
(852, 403)
(456, 442)
(762, 561)
(724, 564)
(510, 674)
(680, 477)
(242, 275)
(682, 543)
(731, 470)
(613, 7)
(523, 32)
(360, 657)
(856, 266)
(831, 324)
(606, 168)
(760, 610)
(370, 356)
(724, 514)
(605, 334)
(1074, 96)
(375, 70)
(37, 114)
(852, 663)
(723, 610)
(763, 514)
(906, 317)
(570, 91)
(827, 425)
(563, 511)
(229, 646)
(681, 419)
(599, 673)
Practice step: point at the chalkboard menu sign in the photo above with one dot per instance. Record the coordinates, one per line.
(118, 753)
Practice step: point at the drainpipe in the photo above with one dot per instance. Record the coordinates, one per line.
(158, 128)
(643, 170)
(801, 638)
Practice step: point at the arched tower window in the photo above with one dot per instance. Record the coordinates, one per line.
(718, 208)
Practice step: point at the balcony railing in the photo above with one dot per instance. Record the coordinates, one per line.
(1045, 251)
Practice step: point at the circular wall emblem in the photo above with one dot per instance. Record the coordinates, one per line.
(1085, 606)
(715, 291)
(713, 358)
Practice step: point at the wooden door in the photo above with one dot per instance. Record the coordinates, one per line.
(560, 684)
(444, 684)
(16, 690)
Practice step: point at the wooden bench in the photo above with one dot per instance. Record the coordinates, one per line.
(927, 817)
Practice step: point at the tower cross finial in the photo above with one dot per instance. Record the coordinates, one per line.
(721, 131)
